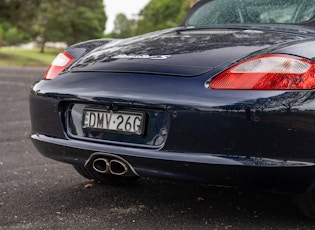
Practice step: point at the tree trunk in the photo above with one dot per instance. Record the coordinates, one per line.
(42, 46)
(193, 2)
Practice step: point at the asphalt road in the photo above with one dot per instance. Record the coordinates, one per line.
(39, 193)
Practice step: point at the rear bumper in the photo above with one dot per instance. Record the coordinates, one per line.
(270, 174)
(262, 138)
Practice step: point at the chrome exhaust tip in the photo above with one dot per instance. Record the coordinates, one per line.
(118, 168)
(101, 165)
(105, 163)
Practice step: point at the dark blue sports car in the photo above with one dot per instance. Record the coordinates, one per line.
(226, 98)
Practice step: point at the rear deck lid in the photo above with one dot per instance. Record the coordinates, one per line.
(185, 52)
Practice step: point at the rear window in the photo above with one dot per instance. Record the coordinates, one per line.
(252, 12)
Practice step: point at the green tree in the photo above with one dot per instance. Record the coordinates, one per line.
(14, 36)
(1, 35)
(19, 12)
(8, 9)
(15, 18)
(69, 21)
(183, 10)
(123, 27)
(162, 14)
(11, 35)
(88, 21)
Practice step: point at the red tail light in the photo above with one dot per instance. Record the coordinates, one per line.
(268, 72)
(58, 64)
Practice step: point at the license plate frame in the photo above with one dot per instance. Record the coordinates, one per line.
(122, 122)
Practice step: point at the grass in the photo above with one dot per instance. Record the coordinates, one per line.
(11, 56)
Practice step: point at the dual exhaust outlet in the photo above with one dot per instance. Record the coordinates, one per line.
(115, 166)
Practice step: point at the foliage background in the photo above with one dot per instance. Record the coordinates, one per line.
(157, 15)
(72, 21)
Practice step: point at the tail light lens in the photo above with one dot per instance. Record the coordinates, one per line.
(58, 64)
(268, 72)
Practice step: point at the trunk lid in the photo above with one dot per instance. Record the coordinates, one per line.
(176, 52)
